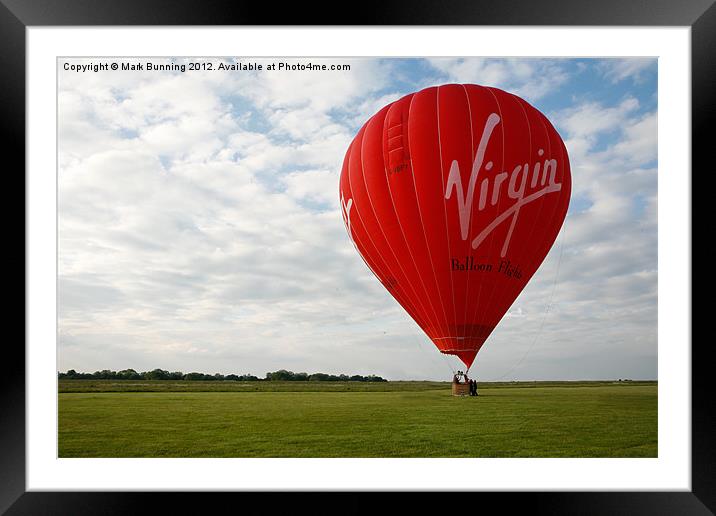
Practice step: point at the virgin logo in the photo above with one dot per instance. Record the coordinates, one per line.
(492, 187)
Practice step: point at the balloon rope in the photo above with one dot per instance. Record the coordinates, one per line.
(447, 363)
(418, 335)
(547, 307)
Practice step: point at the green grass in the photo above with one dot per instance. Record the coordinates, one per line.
(394, 419)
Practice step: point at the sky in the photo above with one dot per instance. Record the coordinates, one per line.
(200, 229)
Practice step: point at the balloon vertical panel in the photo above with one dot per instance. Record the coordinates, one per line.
(376, 181)
(401, 184)
(366, 233)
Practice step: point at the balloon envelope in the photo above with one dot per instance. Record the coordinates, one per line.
(453, 197)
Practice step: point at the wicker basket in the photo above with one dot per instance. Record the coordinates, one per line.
(460, 389)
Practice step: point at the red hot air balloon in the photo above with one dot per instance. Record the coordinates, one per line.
(453, 196)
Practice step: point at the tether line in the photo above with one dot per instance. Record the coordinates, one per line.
(547, 308)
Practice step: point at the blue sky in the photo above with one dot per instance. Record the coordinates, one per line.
(200, 228)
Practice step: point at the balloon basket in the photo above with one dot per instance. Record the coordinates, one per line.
(460, 389)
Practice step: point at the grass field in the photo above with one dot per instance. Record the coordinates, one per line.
(353, 419)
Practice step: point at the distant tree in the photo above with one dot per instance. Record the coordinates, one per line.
(161, 374)
(280, 376)
(156, 374)
(104, 374)
(128, 374)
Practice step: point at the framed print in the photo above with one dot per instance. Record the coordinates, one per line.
(269, 256)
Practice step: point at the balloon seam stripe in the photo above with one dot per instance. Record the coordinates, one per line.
(469, 223)
(382, 231)
(444, 201)
(436, 319)
(495, 286)
(481, 320)
(362, 222)
(535, 219)
(503, 295)
(388, 268)
(422, 225)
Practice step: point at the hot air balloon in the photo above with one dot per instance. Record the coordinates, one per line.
(453, 196)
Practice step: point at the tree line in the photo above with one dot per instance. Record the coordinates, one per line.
(281, 375)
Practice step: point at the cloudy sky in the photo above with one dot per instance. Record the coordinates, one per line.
(200, 225)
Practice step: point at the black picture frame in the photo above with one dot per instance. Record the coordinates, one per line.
(17, 15)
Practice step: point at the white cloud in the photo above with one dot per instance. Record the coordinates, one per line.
(591, 119)
(634, 68)
(313, 185)
(528, 78)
